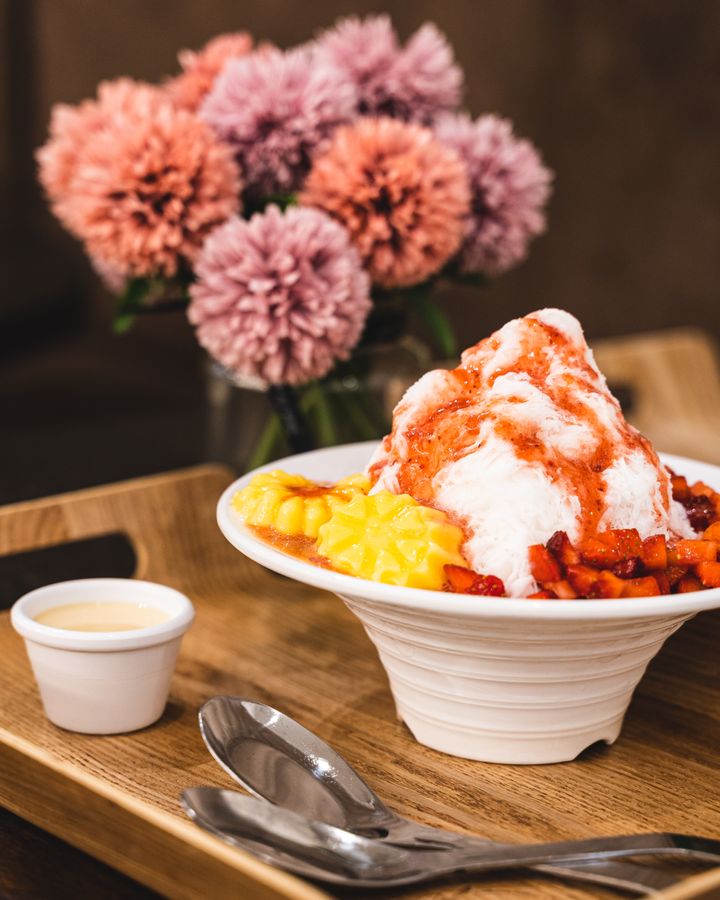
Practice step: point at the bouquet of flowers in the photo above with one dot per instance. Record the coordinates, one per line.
(290, 199)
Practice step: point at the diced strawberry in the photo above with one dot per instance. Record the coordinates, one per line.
(543, 565)
(700, 489)
(458, 579)
(543, 595)
(687, 584)
(688, 553)
(562, 589)
(700, 511)
(712, 533)
(628, 568)
(598, 553)
(680, 489)
(641, 587)
(654, 552)
(701, 502)
(563, 551)
(488, 586)
(675, 573)
(608, 586)
(582, 579)
(663, 582)
(625, 541)
(708, 573)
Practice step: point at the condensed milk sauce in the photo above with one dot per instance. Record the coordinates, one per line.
(112, 616)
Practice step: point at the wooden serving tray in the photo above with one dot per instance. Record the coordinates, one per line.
(262, 636)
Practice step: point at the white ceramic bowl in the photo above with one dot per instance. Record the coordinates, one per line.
(103, 682)
(495, 679)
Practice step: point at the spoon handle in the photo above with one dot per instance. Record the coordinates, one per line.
(627, 876)
(623, 876)
(476, 856)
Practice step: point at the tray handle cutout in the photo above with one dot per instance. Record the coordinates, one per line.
(103, 556)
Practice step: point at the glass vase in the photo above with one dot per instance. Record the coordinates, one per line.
(353, 403)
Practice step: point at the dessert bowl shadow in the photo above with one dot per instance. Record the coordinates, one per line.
(496, 679)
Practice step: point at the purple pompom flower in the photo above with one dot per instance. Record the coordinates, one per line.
(281, 297)
(415, 83)
(509, 186)
(276, 110)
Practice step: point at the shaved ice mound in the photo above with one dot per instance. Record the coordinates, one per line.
(524, 439)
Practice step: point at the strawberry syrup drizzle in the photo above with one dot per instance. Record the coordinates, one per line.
(448, 433)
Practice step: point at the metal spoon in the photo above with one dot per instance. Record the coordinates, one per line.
(339, 856)
(275, 758)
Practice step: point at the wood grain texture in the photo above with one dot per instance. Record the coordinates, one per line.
(262, 636)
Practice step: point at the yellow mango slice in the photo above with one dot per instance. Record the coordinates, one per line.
(292, 504)
(391, 538)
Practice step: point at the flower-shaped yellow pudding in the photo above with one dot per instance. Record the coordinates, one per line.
(293, 505)
(391, 538)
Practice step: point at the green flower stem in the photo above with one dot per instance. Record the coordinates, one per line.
(353, 406)
(374, 414)
(129, 303)
(437, 323)
(317, 401)
(285, 403)
(174, 305)
(148, 296)
(313, 403)
(264, 448)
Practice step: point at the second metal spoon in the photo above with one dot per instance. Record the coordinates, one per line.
(341, 857)
(277, 759)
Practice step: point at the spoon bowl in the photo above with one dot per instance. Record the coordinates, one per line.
(284, 838)
(273, 757)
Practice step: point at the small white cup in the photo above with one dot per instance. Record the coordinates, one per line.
(103, 682)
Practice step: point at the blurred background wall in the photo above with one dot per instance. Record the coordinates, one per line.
(622, 98)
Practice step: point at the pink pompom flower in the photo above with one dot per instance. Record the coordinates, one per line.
(281, 297)
(510, 187)
(402, 195)
(201, 68)
(276, 110)
(414, 83)
(140, 181)
(72, 127)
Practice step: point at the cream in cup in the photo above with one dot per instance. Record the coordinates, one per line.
(103, 650)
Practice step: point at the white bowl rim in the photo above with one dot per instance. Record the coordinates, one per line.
(441, 602)
(181, 614)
